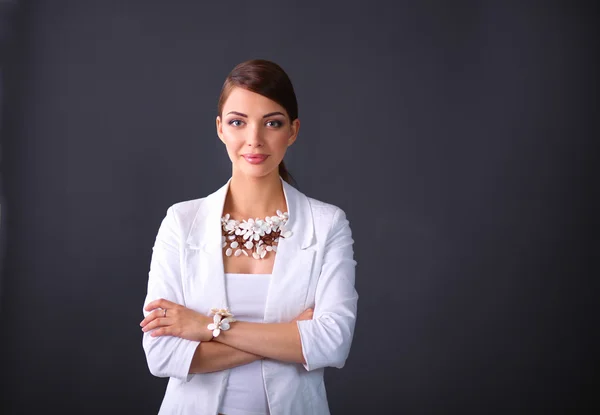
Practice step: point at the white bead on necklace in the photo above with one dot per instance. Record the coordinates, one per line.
(258, 236)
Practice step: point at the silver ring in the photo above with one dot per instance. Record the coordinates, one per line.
(165, 313)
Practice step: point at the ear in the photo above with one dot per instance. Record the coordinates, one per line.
(219, 128)
(295, 129)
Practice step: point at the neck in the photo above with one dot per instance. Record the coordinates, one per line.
(250, 197)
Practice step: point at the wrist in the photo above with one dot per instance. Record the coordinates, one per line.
(222, 319)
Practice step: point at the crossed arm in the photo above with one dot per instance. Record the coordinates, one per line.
(179, 343)
(214, 356)
(244, 343)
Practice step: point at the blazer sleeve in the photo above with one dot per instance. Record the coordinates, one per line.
(167, 356)
(326, 339)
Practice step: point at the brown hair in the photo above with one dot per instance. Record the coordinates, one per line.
(269, 80)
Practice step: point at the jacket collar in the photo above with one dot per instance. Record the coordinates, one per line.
(205, 231)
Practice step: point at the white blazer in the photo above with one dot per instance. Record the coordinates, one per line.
(315, 267)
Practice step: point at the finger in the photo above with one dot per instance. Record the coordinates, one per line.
(152, 316)
(163, 331)
(157, 322)
(160, 303)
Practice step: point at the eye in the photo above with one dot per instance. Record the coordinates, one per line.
(235, 123)
(274, 123)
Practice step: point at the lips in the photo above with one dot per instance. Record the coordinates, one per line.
(255, 158)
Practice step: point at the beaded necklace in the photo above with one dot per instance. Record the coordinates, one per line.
(253, 236)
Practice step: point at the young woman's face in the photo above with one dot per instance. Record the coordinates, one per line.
(256, 131)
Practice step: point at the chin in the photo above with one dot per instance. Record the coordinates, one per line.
(258, 172)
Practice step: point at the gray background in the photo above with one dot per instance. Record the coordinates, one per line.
(457, 136)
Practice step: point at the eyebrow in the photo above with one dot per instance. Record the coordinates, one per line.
(273, 113)
(264, 116)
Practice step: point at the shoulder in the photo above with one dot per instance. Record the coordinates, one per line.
(317, 207)
(321, 208)
(326, 215)
(322, 213)
(331, 226)
(182, 215)
(187, 208)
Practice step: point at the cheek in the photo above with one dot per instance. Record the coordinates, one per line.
(282, 142)
(233, 149)
(232, 139)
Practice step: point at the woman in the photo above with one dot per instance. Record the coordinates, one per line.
(243, 314)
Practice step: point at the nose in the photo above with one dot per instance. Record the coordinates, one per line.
(254, 137)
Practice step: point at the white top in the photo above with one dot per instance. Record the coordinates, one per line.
(245, 391)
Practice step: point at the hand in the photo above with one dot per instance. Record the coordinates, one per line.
(305, 315)
(177, 321)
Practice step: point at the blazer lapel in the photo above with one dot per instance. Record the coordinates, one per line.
(293, 262)
(206, 277)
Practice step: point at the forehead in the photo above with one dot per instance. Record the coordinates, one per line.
(250, 103)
